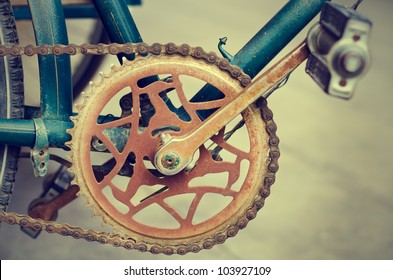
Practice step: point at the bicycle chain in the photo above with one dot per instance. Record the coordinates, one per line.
(128, 242)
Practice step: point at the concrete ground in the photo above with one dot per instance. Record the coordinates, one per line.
(333, 197)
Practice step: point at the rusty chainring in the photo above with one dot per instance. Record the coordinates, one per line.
(149, 211)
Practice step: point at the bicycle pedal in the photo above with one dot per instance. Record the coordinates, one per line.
(56, 194)
(339, 50)
(33, 233)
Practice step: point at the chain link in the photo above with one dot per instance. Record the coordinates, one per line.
(128, 49)
(127, 242)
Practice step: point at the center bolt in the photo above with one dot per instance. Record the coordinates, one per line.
(170, 161)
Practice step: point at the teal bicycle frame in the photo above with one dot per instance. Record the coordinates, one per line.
(48, 18)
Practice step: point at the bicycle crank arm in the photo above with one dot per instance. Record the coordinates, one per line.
(46, 210)
(176, 153)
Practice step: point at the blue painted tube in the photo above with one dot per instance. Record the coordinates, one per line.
(118, 22)
(18, 132)
(268, 42)
(120, 26)
(276, 34)
(55, 71)
(70, 11)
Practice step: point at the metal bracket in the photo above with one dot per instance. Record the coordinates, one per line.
(224, 53)
(40, 153)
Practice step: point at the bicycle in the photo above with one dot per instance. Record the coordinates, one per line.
(185, 232)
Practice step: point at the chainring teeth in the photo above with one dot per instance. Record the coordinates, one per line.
(216, 237)
(168, 247)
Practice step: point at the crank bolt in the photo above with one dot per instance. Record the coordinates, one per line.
(170, 161)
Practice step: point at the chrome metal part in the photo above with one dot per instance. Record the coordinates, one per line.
(339, 50)
(40, 152)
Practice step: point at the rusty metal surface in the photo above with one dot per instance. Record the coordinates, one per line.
(142, 144)
(190, 236)
(184, 147)
(46, 210)
(129, 48)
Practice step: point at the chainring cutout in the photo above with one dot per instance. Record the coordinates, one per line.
(199, 207)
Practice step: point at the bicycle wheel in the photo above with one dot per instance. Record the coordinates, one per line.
(11, 100)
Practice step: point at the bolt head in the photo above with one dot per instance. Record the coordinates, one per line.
(170, 161)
